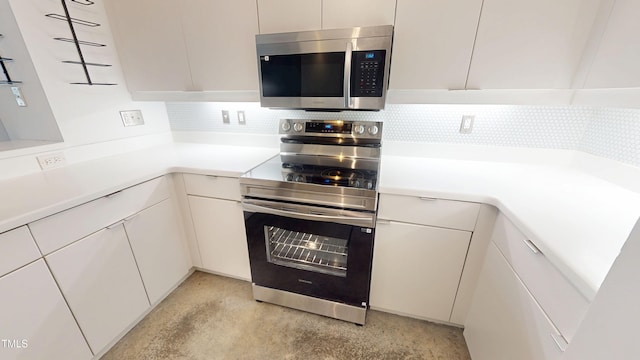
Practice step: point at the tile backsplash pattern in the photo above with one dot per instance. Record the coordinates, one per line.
(610, 133)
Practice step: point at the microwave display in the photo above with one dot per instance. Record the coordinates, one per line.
(303, 75)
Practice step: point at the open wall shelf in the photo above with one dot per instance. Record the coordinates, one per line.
(72, 22)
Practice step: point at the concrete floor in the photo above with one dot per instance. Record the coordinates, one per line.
(213, 317)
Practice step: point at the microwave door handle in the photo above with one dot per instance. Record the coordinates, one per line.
(347, 75)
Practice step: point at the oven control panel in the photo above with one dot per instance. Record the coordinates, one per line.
(331, 128)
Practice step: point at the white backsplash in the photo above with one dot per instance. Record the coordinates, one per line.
(606, 132)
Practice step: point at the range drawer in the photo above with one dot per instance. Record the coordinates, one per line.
(562, 302)
(450, 214)
(220, 187)
(61, 229)
(17, 249)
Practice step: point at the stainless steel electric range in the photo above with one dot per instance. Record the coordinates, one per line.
(310, 217)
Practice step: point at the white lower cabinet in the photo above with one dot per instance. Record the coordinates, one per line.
(35, 322)
(159, 251)
(504, 321)
(417, 269)
(219, 227)
(100, 280)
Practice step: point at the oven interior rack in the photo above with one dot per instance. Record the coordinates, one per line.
(321, 253)
(74, 39)
(8, 80)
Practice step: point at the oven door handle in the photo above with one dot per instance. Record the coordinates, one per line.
(367, 221)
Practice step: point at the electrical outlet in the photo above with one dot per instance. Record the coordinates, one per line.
(241, 119)
(132, 117)
(50, 161)
(225, 117)
(466, 125)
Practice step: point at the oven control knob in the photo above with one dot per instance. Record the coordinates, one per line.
(359, 129)
(297, 127)
(286, 126)
(289, 177)
(299, 178)
(372, 130)
(356, 184)
(368, 184)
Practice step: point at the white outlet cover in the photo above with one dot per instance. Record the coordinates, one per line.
(51, 161)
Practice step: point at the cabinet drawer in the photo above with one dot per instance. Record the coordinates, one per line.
(428, 211)
(17, 248)
(212, 186)
(562, 302)
(504, 321)
(58, 230)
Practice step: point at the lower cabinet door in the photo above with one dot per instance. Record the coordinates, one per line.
(35, 322)
(159, 248)
(100, 280)
(219, 226)
(416, 269)
(504, 321)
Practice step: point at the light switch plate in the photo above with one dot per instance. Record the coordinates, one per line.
(241, 119)
(466, 125)
(131, 117)
(18, 95)
(225, 117)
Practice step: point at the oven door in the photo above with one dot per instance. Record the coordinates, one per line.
(310, 253)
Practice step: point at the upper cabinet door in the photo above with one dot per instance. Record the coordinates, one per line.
(433, 42)
(616, 62)
(220, 42)
(338, 14)
(150, 44)
(289, 15)
(523, 44)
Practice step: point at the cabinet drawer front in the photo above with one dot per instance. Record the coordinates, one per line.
(504, 321)
(227, 188)
(35, 314)
(428, 211)
(416, 269)
(99, 279)
(58, 230)
(562, 302)
(17, 248)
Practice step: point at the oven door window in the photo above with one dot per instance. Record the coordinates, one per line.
(323, 254)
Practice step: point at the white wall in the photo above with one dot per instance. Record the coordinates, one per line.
(85, 114)
(3, 132)
(88, 116)
(36, 121)
(609, 330)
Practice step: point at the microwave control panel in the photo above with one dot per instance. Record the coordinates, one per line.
(367, 73)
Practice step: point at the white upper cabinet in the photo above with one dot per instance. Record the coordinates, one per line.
(149, 38)
(220, 40)
(338, 14)
(530, 44)
(289, 15)
(433, 42)
(301, 15)
(197, 45)
(616, 61)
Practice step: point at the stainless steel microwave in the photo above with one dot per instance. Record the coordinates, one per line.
(341, 69)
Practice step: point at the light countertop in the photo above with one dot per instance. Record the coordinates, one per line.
(579, 221)
(32, 197)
